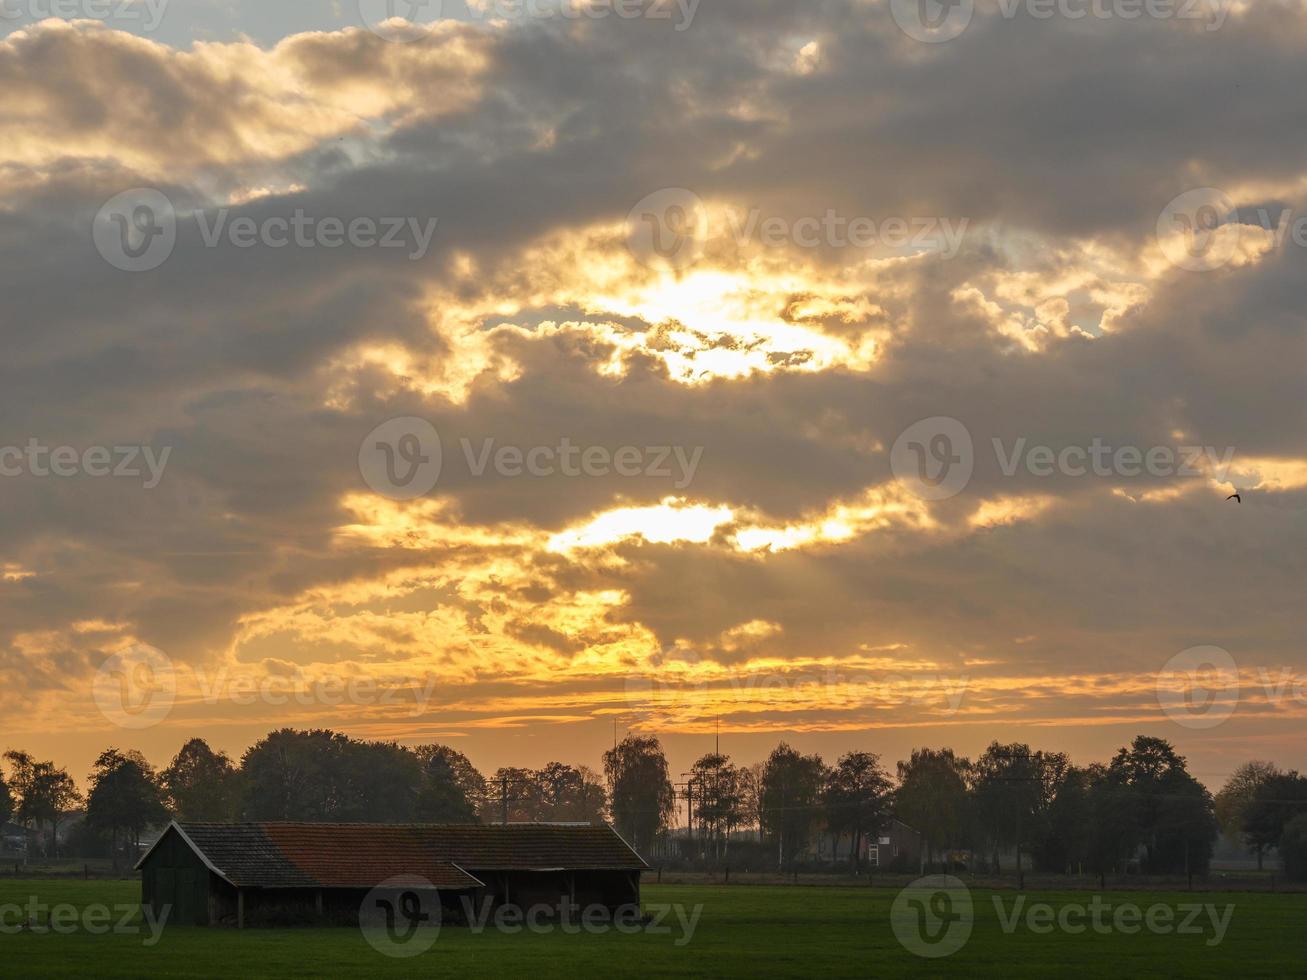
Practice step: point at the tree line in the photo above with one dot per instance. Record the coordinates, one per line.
(1140, 808)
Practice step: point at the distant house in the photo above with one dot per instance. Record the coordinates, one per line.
(234, 874)
(13, 840)
(897, 847)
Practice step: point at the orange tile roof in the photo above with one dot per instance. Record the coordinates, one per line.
(317, 855)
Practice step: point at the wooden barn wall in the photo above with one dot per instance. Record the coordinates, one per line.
(174, 877)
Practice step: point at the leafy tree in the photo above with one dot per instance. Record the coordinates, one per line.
(932, 798)
(517, 792)
(201, 784)
(1012, 790)
(720, 794)
(1063, 844)
(1293, 848)
(1276, 802)
(45, 793)
(791, 796)
(22, 768)
(1174, 813)
(323, 776)
(379, 782)
(570, 794)
(639, 789)
(6, 800)
(452, 789)
(1235, 800)
(1113, 821)
(751, 796)
(125, 797)
(858, 796)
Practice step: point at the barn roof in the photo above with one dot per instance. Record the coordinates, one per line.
(317, 855)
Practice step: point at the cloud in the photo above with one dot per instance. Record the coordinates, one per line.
(794, 369)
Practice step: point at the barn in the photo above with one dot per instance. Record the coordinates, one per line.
(275, 873)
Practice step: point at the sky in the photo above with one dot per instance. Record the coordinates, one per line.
(803, 371)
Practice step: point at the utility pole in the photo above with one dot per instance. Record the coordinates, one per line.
(503, 796)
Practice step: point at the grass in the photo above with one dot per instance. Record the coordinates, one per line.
(743, 931)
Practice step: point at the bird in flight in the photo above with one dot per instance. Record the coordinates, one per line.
(1234, 496)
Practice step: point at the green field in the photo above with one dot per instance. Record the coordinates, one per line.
(743, 931)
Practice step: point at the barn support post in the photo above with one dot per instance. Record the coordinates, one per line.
(240, 908)
(318, 902)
